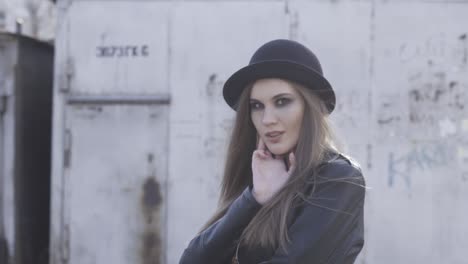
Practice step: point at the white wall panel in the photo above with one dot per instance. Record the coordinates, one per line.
(116, 195)
(118, 47)
(419, 111)
(209, 41)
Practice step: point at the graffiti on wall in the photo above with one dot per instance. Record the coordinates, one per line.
(390, 116)
(436, 100)
(431, 101)
(437, 46)
(438, 84)
(421, 158)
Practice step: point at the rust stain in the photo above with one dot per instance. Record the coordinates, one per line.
(151, 198)
(151, 251)
(151, 204)
(150, 157)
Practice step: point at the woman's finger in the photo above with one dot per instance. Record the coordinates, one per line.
(292, 162)
(261, 144)
(267, 153)
(260, 154)
(263, 148)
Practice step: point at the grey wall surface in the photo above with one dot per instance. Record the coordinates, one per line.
(400, 71)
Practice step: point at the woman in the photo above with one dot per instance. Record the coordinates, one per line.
(288, 195)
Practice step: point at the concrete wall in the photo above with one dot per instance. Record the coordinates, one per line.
(399, 69)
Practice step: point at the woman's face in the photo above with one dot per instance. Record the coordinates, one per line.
(276, 106)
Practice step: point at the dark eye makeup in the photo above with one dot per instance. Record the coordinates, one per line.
(255, 105)
(283, 101)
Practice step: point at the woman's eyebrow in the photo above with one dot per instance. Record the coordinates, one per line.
(278, 95)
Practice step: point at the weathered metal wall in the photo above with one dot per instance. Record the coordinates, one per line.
(399, 69)
(110, 133)
(417, 210)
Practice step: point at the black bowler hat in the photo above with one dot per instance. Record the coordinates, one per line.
(281, 58)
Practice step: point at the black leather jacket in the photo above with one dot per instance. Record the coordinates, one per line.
(318, 233)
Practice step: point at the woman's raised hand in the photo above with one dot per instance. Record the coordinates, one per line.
(269, 173)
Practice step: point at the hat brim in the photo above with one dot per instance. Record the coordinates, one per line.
(278, 69)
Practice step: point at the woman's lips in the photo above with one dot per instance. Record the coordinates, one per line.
(275, 136)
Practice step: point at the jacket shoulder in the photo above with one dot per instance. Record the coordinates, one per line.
(340, 167)
(340, 160)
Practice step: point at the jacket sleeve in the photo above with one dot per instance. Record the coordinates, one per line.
(329, 229)
(216, 244)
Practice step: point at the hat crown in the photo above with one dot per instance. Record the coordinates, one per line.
(281, 58)
(286, 50)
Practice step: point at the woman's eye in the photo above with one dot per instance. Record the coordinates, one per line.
(282, 101)
(255, 106)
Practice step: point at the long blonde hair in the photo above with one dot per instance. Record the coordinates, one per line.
(315, 139)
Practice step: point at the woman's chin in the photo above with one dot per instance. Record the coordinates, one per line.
(278, 150)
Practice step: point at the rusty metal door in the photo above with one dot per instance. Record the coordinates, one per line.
(110, 133)
(115, 171)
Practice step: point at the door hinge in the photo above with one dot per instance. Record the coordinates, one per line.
(66, 76)
(3, 103)
(67, 145)
(65, 245)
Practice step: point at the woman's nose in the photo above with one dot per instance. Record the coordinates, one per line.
(269, 116)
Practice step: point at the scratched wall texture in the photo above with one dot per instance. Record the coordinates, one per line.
(400, 71)
(418, 206)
